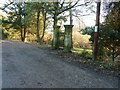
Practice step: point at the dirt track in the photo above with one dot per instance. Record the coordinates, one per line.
(27, 66)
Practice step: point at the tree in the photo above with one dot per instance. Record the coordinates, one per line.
(109, 37)
(109, 43)
(39, 17)
(55, 9)
(26, 22)
(113, 22)
(42, 11)
(22, 19)
(17, 17)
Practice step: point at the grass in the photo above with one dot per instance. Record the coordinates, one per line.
(109, 64)
(103, 64)
(83, 52)
(81, 49)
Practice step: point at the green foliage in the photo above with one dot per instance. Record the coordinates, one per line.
(107, 64)
(88, 31)
(86, 54)
(108, 40)
(109, 34)
(76, 44)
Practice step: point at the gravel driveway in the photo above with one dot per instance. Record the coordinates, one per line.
(27, 66)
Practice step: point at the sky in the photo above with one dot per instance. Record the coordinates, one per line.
(88, 20)
(1, 4)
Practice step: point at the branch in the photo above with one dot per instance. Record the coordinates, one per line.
(117, 54)
(7, 5)
(62, 4)
(46, 7)
(83, 4)
(79, 19)
(81, 15)
(68, 8)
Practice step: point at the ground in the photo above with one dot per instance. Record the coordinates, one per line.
(31, 66)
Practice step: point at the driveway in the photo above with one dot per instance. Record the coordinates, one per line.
(27, 66)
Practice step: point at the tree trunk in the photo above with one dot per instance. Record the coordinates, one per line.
(55, 33)
(71, 23)
(21, 35)
(21, 29)
(113, 54)
(37, 27)
(55, 43)
(44, 24)
(70, 12)
(24, 35)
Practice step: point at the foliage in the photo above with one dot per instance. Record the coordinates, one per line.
(81, 41)
(107, 64)
(108, 40)
(17, 18)
(109, 35)
(86, 54)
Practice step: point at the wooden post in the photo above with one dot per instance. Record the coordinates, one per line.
(96, 32)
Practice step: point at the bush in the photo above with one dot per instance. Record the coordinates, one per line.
(109, 64)
(86, 54)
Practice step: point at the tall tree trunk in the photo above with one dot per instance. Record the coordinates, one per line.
(55, 43)
(21, 29)
(55, 33)
(71, 23)
(70, 12)
(37, 27)
(44, 24)
(55, 22)
(25, 24)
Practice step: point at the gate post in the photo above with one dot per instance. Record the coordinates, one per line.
(68, 38)
(55, 44)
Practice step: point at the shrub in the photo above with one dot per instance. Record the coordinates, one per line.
(86, 54)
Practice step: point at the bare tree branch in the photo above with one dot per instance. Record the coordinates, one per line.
(67, 8)
(62, 4)
(7, 5)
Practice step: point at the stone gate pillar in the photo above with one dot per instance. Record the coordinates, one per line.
(68, 38)
(55, 44)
